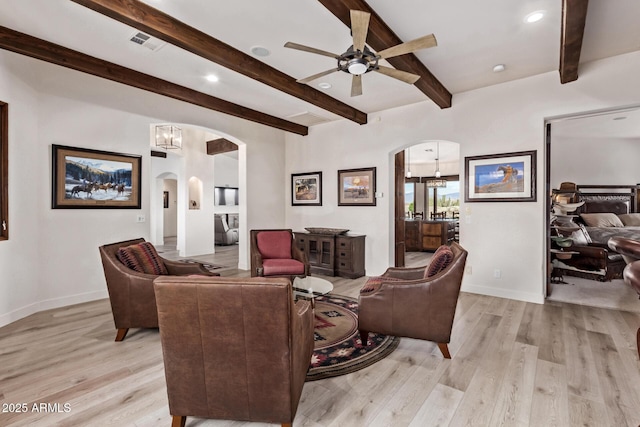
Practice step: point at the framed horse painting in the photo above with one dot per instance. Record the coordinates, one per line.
(91, 179)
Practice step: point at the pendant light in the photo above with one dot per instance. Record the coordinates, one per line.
(408, 174)
(438, 182)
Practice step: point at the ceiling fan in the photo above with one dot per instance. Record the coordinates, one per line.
(359, 59)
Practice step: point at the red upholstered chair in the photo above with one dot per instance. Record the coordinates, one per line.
(133, 302)
(415, 302)
(274, 253)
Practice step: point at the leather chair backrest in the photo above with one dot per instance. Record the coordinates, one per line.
(228, 347)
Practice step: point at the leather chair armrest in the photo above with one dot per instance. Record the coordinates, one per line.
(176, 268)
(299, 255)
(257, 269)
(414, 273)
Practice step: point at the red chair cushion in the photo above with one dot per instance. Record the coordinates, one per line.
(439, 261)
(276, 267)
(143, 258)
(274, 244)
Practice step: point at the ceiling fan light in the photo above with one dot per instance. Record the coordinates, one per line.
(357, 67)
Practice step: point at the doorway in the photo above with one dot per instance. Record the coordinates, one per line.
(595, 148)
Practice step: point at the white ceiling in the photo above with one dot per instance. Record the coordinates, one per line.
(472, 35)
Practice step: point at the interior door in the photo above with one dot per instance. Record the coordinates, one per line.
(399, 214)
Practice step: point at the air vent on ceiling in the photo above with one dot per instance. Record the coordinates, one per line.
(147, 41)
(308, 119)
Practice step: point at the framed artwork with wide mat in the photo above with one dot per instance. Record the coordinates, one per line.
(306, 189)
(507, 177)
(93, 179)
(357, 187)
(337, 346)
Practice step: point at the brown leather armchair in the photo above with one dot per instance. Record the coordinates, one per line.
(274, 253)
(628, 248)
(133, 301)
(234, 348)
(406, 304)
(631, 276)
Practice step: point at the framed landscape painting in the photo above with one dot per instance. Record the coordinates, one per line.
(306, 189)
(357, 187)
(509, 177)
(92, 179)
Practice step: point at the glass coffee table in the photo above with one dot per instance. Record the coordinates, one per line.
(310, 287)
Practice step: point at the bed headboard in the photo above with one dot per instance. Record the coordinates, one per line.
(618, 199)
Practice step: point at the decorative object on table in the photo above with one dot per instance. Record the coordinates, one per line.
(306, 189)
(357, 187)
(83, 178)
(325, 230)
(337, 347)
(508, 177)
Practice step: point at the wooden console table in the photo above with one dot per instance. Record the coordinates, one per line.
(333, 255)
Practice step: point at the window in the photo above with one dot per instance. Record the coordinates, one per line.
(409, 197)
(4, 171)
(445, 199)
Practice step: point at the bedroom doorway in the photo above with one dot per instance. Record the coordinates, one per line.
(595, 150)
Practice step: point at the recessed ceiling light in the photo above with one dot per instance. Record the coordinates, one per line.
(260, 51)
(619, 118)
(324, 85)
(498, 68)
(534, 16)
(212, 78)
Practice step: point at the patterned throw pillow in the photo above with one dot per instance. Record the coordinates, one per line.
(143, 258)
(439, 261)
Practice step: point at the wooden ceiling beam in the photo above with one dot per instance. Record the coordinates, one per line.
(158, 24)
(574, 18)
(219, 146)
(25, 44)
(380, 37)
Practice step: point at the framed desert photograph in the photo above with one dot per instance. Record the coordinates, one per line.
(357, 187)
(508, 177)
(306, 189)
(92, 179)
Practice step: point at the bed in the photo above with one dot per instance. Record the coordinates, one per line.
(608, 211)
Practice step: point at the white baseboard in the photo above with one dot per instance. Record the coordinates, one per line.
(36, 307)
(504, 293)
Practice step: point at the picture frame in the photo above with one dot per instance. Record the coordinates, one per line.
(357, 187)
(507, 177)
(84, 178)
(165, 199)
(306, 189)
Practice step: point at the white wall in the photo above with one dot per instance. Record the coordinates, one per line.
(226, 175)
(594, 161)
(498, 119)
(52, 105)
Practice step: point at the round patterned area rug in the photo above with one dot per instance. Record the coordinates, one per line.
(338, 350)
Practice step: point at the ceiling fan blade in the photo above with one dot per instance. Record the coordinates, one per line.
(316, 76)
(356, 85)
(408, 47)
(398, 74)
(297, 46)
(359, 28)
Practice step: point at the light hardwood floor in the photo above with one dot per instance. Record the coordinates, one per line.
(514, 364)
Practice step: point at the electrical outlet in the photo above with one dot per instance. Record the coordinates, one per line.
(140, 218)
(497, 273)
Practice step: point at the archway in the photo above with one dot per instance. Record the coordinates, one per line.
(427, 198)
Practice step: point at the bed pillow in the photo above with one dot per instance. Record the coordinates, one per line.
(630, 220)
(601, 220)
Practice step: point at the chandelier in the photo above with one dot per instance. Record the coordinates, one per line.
(438, 182)
(168, 137)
